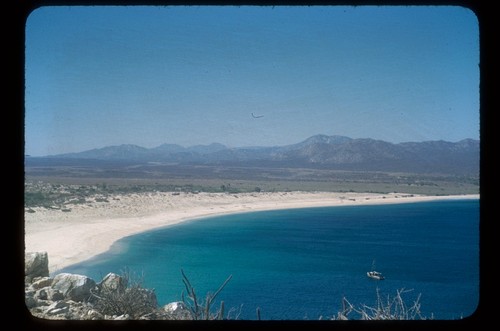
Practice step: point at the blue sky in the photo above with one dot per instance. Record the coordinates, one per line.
(100, 76)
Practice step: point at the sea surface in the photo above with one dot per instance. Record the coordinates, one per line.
(298, 264)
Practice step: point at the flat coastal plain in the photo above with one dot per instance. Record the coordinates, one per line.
(82, 231)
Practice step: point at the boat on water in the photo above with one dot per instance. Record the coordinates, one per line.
(375, 274)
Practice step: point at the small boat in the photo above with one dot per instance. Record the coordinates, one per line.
(375, 274)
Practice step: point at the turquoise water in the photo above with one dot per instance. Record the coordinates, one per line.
(298, 264)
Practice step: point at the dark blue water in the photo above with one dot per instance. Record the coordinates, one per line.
(298, 264)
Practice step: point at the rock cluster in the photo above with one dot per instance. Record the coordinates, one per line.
(76, 297)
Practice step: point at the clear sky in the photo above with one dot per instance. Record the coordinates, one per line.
(188, 75)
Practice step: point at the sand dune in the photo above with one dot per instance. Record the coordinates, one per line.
(90, 229)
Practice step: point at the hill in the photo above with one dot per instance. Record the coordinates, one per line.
(319, 151)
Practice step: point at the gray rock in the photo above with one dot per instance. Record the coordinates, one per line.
(73, 287)
(43, 303)
(41, 282)
(177, 310)
(36, 264)
(57, 308)
(41, 294)
(29, 293)
(59, 304)
(94, 315)
(30, 302)
(122, 317)
(112, 283)
(58, 311)
(54, 295)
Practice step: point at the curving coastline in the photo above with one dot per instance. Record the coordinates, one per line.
(85, 230)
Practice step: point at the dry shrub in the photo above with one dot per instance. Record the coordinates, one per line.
(131, 299)
(392, 308)
(202, 310)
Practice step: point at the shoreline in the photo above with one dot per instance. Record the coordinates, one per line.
(84, 231)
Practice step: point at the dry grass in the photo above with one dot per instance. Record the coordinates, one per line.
(390, 308)
(135, 301)
(202, 310)
(131, 299)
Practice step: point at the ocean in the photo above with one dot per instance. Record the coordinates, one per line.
(298, 264)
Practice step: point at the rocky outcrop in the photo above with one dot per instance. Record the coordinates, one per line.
(112, 283)
(36, 264)
(178, 310)
(62, 297)
(76, 297)
(73, 287)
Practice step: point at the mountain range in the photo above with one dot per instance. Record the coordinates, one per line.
(319, 151)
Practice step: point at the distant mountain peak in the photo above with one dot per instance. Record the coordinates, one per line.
(319, 139)
(330, 152)
(325, 139)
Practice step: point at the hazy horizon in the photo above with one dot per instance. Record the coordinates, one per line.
(248, 76)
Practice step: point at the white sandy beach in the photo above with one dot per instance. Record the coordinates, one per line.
(90, 229)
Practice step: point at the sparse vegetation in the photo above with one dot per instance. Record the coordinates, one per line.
(392, 308)
(69, 186)
(130, 298)
(135, 301)
(202, 310)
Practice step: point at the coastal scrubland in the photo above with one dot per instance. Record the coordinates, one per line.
(54, 186)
